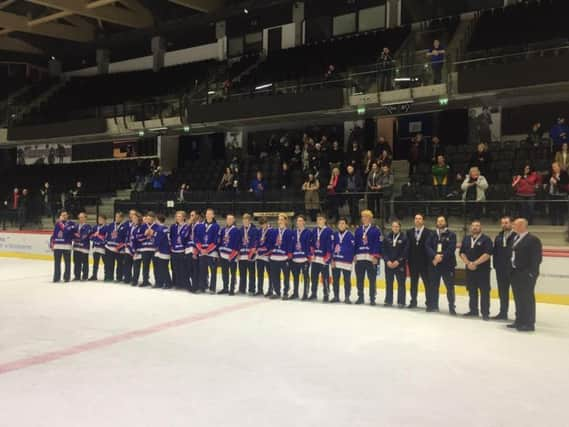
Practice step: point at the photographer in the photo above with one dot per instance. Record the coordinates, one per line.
(474, 191)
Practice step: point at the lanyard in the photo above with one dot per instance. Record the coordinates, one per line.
(246, 235)
(365, 229)
(227, 231)
(341, 237)
(319, 232)
(473, 241)
(395, 239)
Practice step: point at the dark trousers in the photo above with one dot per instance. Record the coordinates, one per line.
(297, 269)
(207, 272)
(113, 265)
(179, 271)
(437, 72)
(127, 268)
(435, 276)
(262, 268)
(390, 275)
(317, 270)
(418, 270)
(96, 262)
(503, 279)
(336, 274)
(161, 273)
(478, 283)
(58, 254)
(246, 276)
(80, 265)
(523, 285)
(386, 80)
(275, 270)
(147, 257)
(136, 264)
(228, 272)
(192, 268)
(363, 269)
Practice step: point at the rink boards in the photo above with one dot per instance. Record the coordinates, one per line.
(552, 287)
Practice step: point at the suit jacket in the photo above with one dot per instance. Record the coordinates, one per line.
(502, 253)
(447, 241)
(417, 253)
(527, 254)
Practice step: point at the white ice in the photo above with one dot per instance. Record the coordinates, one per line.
(273, 363)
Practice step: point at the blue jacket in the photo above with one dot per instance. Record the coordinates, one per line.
(398, 251)
(131, 243)
(229, 243)
(207, 238)
(62, 236)
(249, 240)
(447, 240)
(282, 247)
(557, 131)
(322, 246)
(178, 236)
(265, 244)
(161, 241)
(344, 250)
(116, 236)
(146, 243)
(98, 235)
(302, 248)
(368, 243)
(82, 238)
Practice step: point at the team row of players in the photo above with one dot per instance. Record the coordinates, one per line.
(196, 246)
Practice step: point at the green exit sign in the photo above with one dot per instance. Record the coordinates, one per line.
(361, 110)
(443, 101)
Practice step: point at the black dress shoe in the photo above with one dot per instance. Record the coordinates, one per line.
(286, 297)
(412, 305)
(293, 296)
(372, 303)
(157, 287)
(500, 317)
(525, 328)
(144, 285)
(470, 314)
(401, 305)
(335, 300)
(259, 294)
(304, 297)
(347, 301)
(512, 325)
(388, 304)
(268, 294)
(451, 311)
(359, 301)
(92, 279)
(274, 296)
(223, 292)
(76, 279)
(485, 317)
(312, 297)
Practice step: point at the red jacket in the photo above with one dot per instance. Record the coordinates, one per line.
(526, 186)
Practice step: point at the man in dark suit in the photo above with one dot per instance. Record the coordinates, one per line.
(417, 258)
(502, 254)
(526, 259)
(441, 248)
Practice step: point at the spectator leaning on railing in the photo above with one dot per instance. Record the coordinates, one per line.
(525, 185)
(385, 64)
(474, 190)
(437, 56)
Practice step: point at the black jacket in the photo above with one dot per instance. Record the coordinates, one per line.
(528, 254)
(502, 253)
(417, 253)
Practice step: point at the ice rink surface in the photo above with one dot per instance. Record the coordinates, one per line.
(94, 354)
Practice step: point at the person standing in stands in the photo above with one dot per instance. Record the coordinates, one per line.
(81, 246)
(559, 133)
(353, 186)
(279, 258)
(502, 258)
(525, 186)
(321, 252)
(437, 56)
(249, 237)
(311, 188)
(441, 173)
(441, 248)
(395, 250)
(178, 239)
(301, 257)
(98, 240)
(161, 260)
(264, 248)
(417, 258)
(562, 157)
(258, 185)
(475, 252)
(343, 246)
(474, 191)
(207, 237)
(368, 249)
(229, 247)
(114, 244)
(527, 253)
(60, 243)
(385, 64)
(557, 187)
(191, 252)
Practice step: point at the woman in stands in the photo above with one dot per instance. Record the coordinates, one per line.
(226, 182)
(525, 186)
(311, 188)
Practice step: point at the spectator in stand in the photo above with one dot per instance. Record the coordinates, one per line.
(483, 123)
(23, 204)
(557, 187)
(334, 187)
(386, 181)
(474, 190)
(374, 186)
(481, 158)
(381, 146)
(46, 196)
(258, 185)
(415, 151)
(525, 185)
(368, 162)
(385, 64)
(559, 133)
(336, 156)
(296, 158)
(14, 199)
(435, 149)
(437, 56)
(354, 156)
(562, 157)
(158, 180)
(305, 156)
(353, 185)
(284, 177)
(384, 159)
(311, 188)
(535, 135)
(330, 73)
(441, 175)
(315, 161)
(226, 183)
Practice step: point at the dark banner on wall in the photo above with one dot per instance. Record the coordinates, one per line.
(58, 130)
(423, 10)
